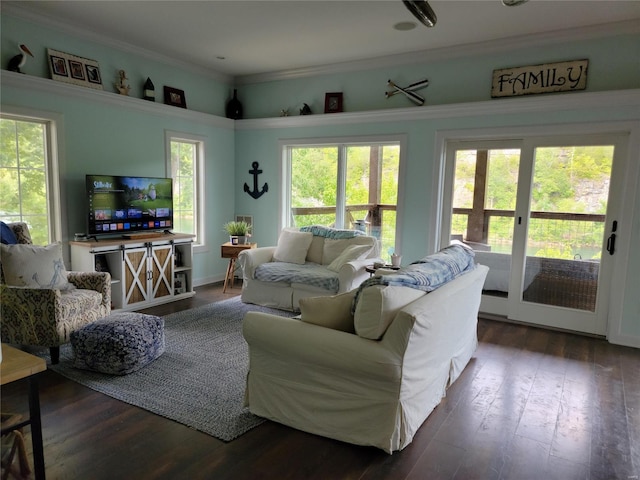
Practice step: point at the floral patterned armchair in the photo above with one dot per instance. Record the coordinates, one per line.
(47, 316)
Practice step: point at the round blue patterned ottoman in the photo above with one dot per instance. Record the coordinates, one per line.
(118, 344)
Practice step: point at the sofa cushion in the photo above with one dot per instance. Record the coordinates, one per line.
(292, 246)
(353, 252)
(334, 247)
(332, 312)
(290, 273)
(119, 344)
(314, 254)
(34, 266)
(377, 307)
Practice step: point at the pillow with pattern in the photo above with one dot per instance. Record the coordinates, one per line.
(34, 266)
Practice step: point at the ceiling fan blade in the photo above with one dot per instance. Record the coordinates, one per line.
(513, 3)
(422, 11)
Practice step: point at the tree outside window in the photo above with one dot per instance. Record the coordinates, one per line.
(351, 186)
(185, 166)
(24, 171)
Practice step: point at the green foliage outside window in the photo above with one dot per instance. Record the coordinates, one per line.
(23, 165)
(314, 185)
(572, 179)
(183, 159)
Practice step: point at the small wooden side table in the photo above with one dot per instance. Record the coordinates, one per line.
(230, 251)
(17, 365)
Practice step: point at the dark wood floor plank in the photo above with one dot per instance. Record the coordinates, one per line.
(531, 404)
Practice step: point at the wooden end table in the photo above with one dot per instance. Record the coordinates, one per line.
(17, 365)
(230, 251)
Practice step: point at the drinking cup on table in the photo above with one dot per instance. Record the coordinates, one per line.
(396, 260)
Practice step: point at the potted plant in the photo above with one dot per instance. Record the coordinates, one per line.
(238, 232)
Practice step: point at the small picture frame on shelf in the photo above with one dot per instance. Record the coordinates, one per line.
(175, 97)
(333, 102)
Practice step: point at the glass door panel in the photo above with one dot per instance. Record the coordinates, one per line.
(484, 201)
(569, 195)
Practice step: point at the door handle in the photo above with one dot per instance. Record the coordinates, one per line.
(611, 244)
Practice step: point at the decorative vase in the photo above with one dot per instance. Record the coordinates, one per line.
(234, 107)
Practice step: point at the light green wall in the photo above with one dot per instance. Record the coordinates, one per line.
(202, 93)
(613, 65)
(104, 138)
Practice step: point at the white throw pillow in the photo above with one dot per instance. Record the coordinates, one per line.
(333, 247)
(315, 250)
(332, 312)
(34, 266)
(378, 306)
(292, 246)
(354, 252)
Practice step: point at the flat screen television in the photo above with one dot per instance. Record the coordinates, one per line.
(120, 205)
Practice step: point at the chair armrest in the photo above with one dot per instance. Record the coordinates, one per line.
(353, 273)
(299, 343)
(250, 259)
(97, 281)
(29, 315)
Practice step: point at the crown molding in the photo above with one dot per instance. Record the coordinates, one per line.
(447, 53)
(15, 10)
(503, 106)
(44, 85)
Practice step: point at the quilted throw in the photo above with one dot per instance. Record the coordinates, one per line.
(428, 273)
(321, 231)
(308, 274)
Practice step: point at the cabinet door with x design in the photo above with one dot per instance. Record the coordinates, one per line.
(148, 272)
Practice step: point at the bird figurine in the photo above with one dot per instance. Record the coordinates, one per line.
(17, 62)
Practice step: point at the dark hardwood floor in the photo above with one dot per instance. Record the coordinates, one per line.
(532, 404)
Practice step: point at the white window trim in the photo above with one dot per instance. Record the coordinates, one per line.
(54, 126)
(285, 146)
(199, 174)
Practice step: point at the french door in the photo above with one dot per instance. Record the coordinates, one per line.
(541, 213)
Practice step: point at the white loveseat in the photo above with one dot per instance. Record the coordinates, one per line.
(377, 386)
(308, 262)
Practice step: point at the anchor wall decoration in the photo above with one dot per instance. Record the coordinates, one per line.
(255, 193)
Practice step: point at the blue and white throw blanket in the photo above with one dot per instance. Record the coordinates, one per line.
(308, 274)
(321, 231)
(429, 273)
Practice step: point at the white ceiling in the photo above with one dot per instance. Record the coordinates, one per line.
(266, 36)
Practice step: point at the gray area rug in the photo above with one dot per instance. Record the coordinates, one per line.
(199, 381)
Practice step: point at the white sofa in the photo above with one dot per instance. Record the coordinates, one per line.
(306, 264)
(366, 391)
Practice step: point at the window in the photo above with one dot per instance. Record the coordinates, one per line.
(185, 165)
(344, 185)
(29, 176)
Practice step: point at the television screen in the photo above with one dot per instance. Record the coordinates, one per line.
(129, 204)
